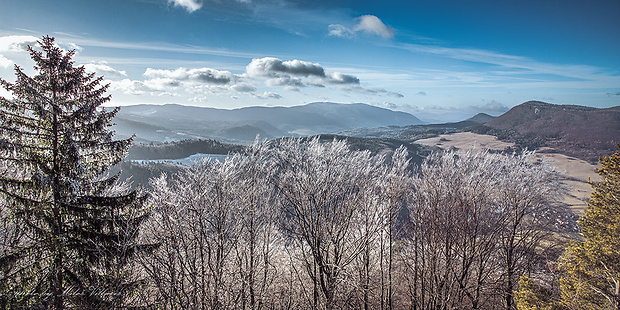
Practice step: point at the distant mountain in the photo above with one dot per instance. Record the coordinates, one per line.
(480, 118)
(584, 132)
(154, 123)
(415, 132)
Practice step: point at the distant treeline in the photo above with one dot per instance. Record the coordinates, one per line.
(180, 149)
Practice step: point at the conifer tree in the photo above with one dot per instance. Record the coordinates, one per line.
(592, 266)
(79, 228)
(532, 296)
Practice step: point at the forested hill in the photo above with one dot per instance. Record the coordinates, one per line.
(180, 149)
(579, 131)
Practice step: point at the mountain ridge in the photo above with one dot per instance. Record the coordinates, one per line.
(173, 122)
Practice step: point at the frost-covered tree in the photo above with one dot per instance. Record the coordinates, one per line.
(395, 192)
(477, 220)
(216, 223)
(259, 237)
(196, 221)
(529, 199)
(324, 193)
(77, 227)
(287, 224)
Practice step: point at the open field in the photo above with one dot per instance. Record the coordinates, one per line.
(577, 171)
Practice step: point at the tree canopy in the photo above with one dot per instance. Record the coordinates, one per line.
(592, 266)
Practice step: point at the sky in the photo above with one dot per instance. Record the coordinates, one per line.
(443, 60)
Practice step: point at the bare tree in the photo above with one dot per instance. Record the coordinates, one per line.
(529, 192)
(216, 223)
(303, 224)
(196, 222)
(259, 237)
(395, 186)
(475, 214)
(322, 187)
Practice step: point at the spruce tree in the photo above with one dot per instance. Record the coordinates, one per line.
(78, 228)
(592, 266)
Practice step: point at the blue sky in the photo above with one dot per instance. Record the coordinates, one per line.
(439, 60)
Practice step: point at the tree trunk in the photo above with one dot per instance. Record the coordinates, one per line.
(56, 229)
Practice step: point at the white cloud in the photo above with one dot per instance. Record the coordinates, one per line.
(16, 43)
(292, 88)
(274, 67)
(132, 87)
(285, 81)
(161, 84)
(268, 95)
(190, 5)
(6, 94)
(338, 30)
(5, 62)
(296, 73)
(366, 23)
(199, 75)
(339, 78)
(493, 107)
(243, 88)
(73, 46)
(372, 24)
(103, 69)
(153, 87)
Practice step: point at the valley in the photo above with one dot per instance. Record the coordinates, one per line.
(570, 137)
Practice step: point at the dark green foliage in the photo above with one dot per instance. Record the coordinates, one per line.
(74, 227)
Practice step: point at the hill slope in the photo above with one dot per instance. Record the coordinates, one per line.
(579, 131)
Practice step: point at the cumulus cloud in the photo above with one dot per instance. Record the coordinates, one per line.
(162, 84)
(294, 74)
(421, 93)
(366, 23)
(493, 107)
(5, 62)
(16, 43)
(200, 75)
(243, 88)
(285, 81)
(291, 75)
(189, 5)
(274, 67)
(372, 24)
(135, 87)
(339, 78)
(268, 95)
(104, 69)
